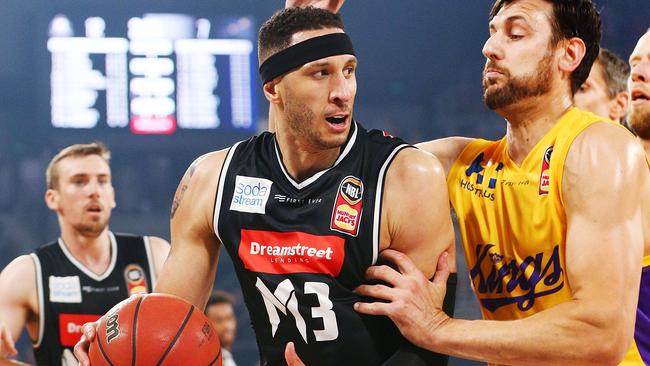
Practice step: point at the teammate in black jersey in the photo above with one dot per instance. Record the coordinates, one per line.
(79, 277)
(304, 211)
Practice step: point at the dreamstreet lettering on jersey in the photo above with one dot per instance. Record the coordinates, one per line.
(291, 252)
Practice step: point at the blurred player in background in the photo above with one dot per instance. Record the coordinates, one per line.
(639, 122)
(604, 93)
(81, 275)
(221, 310)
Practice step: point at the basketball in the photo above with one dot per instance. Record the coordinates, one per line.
(155, 329)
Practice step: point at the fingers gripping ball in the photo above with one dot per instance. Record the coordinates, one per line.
(155, 329)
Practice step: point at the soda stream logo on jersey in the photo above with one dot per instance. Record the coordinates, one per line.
(545, 175)
(500, 282)
(136, 281)
(70, 327)
(348, 206)
(291, 252)
(65, 289)
(250, 194)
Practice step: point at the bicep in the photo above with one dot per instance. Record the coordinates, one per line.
(190, 268)
(418, 214)
(17, 293)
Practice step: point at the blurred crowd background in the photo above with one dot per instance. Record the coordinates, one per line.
(419, 73)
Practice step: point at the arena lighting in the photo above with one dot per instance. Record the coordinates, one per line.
(164, 76)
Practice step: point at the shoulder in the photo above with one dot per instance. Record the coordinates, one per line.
(18, 279)
(412, 167)
(603, 161)
(607, 141)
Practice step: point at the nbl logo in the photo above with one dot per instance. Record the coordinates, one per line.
(545, 176)
(351, 190)
(348, 206)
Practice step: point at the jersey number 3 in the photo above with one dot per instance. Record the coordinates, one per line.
(284, 299)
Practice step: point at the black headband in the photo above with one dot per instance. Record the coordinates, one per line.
(300, 53)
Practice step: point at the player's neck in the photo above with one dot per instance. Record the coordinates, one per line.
(93, 251)
(529, 120)
(301, 159)
(646, 146)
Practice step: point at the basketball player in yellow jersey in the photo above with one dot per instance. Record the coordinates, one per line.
(551, 215)
(639, 121)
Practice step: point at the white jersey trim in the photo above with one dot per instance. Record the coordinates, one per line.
(222, 182)
(315, 177)
(152, 264)
(376, 225)
(40, 295)
(85, 269)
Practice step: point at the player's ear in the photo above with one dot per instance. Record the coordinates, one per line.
(52, 199)
(574, 51)
(619, 108)
(272, 91)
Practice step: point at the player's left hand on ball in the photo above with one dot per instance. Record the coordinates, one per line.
(81, 348)
(413, 302)
(291, 356)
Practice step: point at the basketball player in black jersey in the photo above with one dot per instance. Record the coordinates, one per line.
(304, 211)
(88, 269)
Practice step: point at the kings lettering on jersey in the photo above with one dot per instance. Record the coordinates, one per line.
(503, 281)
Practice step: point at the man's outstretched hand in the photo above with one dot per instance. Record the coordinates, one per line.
(331, 5)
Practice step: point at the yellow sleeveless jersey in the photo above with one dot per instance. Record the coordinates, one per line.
(512, 221)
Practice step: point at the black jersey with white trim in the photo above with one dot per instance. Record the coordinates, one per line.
(301, 248)
(70, 294)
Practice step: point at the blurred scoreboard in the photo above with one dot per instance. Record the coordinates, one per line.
(167, 74)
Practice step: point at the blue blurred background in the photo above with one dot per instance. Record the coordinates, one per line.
(419, 78)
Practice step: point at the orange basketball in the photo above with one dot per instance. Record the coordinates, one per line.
(155, 329)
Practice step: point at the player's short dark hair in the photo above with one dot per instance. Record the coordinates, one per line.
(75, 151)
(275, 34)
(571, 18)
(220, 297)
(615, 72)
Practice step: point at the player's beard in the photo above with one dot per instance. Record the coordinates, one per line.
(92, 228)
(302, 121)
(519, 88)
(639, 121)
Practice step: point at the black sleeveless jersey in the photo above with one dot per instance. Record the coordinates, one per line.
(69, 294)
(300, 249)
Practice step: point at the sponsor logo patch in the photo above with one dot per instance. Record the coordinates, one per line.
(348, 207)
(545, 176)
(136, 281)
(291, 252)
(65, 289)
(70, 327)
(250, 194)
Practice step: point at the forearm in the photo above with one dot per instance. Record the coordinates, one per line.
(189, 277)
(561, 335)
